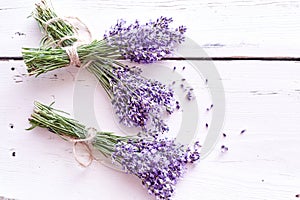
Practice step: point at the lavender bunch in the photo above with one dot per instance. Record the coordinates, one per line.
(139, 43)
(137, 101)
(158, 163)
(145, 43)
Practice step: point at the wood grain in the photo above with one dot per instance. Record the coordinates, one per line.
(222, 28)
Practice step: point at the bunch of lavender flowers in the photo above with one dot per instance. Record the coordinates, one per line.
(159, 163)
(137, 101)
(142, 43)
(145, 43)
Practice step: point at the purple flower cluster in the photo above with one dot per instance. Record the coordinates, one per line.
(145, 43)
(140, 102)
(159, 163)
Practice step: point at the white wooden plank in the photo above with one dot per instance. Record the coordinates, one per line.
(262, 163)
(222, 28)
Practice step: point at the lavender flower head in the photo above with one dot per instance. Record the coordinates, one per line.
(159, 163)
(140, 102)
(145, 43)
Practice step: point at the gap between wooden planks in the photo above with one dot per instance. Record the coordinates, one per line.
(221, 28)
(232, 58)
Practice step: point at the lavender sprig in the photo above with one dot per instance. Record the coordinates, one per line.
(145, 43)
(158, 163)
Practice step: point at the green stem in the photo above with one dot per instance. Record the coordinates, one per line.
(47, 117)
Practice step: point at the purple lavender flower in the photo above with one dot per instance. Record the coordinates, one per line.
(137, 101)
(159, 163)
(140, 102)
(145, 43)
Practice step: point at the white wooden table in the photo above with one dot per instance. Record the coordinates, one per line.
(257, 50)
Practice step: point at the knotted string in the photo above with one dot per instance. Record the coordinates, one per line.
(71, 50)
(73, 56)
(72, 53)
(91, 134)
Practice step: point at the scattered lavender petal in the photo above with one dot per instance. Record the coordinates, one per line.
(224, 148)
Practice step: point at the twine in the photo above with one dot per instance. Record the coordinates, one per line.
(86, 142)
(73, 56)
(67, 20)
(75, 61)
(71, 50)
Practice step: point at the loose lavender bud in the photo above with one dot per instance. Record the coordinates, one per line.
(189, 96)
(224, 148)
(243, 131)
(159, 163)
(211, 106)
(145, 43)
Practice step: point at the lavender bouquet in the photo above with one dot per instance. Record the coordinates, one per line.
(137, 42)
(138, 101)
(158, 163)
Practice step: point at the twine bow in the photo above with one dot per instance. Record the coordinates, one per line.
(91, 134)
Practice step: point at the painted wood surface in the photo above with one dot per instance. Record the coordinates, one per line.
(262, 97)
(222, 28)
(262, 163)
